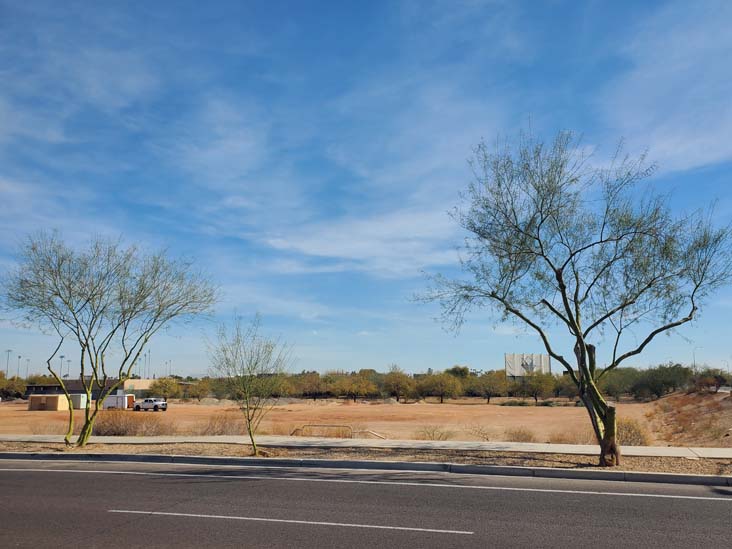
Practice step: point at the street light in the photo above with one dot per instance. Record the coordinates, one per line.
(17, 371)
(68, 367)
(693, 354)
(61, 371)
(7, 362)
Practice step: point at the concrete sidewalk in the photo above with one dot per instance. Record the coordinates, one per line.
(316, 442)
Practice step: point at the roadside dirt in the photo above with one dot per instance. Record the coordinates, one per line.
(655, 464)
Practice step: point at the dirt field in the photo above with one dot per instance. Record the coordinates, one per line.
(465, 419)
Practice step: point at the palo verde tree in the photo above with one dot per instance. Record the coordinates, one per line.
(253, 367)
(108, 299)
(553, 241)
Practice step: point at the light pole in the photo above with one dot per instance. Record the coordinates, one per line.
(7, 362)
(693, 354)
(68, 367)
(17, 371)
(27, 363)
(61, 370)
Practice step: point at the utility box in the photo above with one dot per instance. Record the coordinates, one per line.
(78, 401)
(48, 402)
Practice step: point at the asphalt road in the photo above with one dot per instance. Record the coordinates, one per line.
(138, 505)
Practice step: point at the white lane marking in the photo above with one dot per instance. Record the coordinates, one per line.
(382, 482)
(292, 521)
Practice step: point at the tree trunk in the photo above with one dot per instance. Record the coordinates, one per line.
(86, 432)
(602, 414)
(255, 450)
(442, 399)
(608, 445)
(604, 422)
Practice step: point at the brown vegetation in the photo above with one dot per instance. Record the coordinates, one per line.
(695, 419)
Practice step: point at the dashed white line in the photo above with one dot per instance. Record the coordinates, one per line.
(292, 521)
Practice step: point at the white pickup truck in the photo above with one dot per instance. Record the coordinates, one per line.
(153, 404)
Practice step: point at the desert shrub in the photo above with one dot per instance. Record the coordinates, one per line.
(126, 423)
(434, 432)
(278, 429)
(49, 428)
(520, 434)
(224, 423)
(632, 433)
(328, 431)
(516, 403)
(546, 403)
(478, 431)
(564, 437)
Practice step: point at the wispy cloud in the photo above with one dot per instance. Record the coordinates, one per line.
(399, 243)
(674, 96)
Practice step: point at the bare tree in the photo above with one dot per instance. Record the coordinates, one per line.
(253, 366)
(554, 241)
(111, 300)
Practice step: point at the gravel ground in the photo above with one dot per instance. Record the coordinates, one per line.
(651, 464)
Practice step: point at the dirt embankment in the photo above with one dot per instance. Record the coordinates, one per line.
(696, 419)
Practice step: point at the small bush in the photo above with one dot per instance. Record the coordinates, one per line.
(278, 429)
(549, 403)
(478, 431)
(49, 428)
(127, 423)
(516, 403)
(520, 434)
(224, 423)
(632, 433)
(434, 432)
(563, 437)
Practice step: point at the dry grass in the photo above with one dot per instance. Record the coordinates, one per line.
(283, 429)
(50, 428)
(434, 432)
(565, 437)
(126, 423)
(697, 419)
(222, 423)
(520, 434)
(632, 433)
(479, 431)
(323, 430)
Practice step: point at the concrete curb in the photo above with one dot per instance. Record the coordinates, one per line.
(455, 468)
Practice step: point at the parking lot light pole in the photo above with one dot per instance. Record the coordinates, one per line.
(7, 362)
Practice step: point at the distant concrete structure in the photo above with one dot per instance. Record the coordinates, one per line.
(520, 365)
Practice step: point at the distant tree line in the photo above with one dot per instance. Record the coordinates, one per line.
(454, 382)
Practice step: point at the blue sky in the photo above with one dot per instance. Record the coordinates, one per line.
(306, 154)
